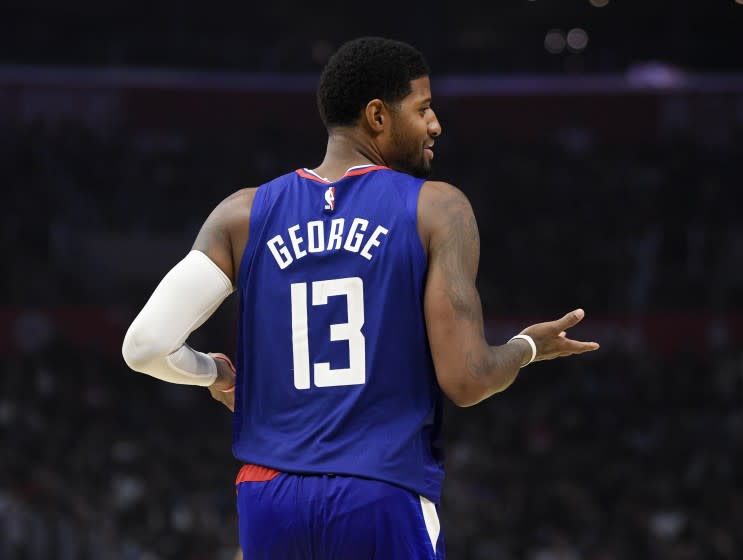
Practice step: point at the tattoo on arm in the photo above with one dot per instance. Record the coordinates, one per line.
(460, 254)
(482, 366)
(454, 251)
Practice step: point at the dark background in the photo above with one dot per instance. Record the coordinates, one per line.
(603, 175)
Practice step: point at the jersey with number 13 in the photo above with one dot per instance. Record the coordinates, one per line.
(334, 368)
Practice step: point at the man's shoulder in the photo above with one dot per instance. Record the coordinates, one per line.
(438, 197)
(238, 202)
(440, 203)
(280, 183)
(441, 189)
(236, 208)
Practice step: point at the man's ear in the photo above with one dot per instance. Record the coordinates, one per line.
(376, 115)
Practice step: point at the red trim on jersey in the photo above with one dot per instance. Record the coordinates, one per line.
(363, 170)
(255, 473)
(352, 173)
(303, 173)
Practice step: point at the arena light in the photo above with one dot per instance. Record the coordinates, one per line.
(554, 41)
(577, 39)
(603, 3)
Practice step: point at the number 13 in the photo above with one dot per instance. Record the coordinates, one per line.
(355, 374)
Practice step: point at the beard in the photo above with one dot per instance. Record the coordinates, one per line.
(411, 158)
(422, 169)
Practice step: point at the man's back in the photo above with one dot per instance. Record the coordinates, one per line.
(334, 368)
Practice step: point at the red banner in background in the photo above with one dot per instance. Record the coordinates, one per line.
(102, 329)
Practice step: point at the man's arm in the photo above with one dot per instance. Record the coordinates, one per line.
(224, 235)
(468, 369)
(186, 297)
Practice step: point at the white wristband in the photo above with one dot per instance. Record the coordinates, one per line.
(530, 340)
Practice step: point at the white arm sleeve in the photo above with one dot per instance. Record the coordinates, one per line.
(184, 299)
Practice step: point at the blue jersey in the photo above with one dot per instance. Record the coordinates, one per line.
(334, 367)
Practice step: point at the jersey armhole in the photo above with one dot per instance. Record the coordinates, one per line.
(412, 199)
(257, 214)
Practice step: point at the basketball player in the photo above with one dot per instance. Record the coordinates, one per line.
(358, 309)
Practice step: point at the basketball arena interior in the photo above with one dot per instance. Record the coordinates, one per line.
(601, 146)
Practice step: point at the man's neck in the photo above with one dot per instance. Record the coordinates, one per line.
(347, 148)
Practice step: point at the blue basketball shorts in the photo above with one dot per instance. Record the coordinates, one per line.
(327, 517)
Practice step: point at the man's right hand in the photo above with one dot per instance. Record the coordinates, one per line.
(551, 338)
(225, 380)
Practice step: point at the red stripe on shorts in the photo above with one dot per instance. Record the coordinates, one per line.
(255, 473)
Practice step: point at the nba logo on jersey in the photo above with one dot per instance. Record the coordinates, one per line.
(330, 200)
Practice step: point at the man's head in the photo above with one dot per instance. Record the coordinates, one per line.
(381, 87)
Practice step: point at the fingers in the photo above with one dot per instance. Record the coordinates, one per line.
(570, 320)
(551, 337)
(578, 347)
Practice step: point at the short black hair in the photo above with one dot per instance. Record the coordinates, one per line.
(365, 69)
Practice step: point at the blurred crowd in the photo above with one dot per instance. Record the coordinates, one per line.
(623, 454)
(610, 457)
(638, 228)
(613, 456)
(98, 462)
